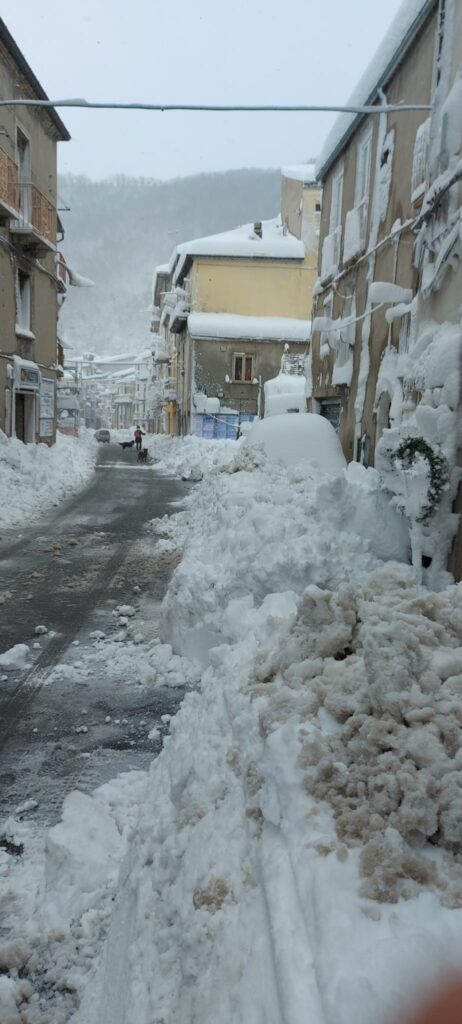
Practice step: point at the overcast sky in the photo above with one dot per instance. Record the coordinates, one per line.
(212, 51)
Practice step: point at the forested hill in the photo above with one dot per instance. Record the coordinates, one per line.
(116, 231)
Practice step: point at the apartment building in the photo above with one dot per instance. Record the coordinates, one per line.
(370, 204)
(385, 356)
(225, 308)
(29, 234)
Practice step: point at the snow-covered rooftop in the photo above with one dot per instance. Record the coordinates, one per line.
(393, 47)
(258, 328)
(243, 241)
(300, 172)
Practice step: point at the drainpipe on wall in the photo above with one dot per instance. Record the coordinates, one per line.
(12, 416)
(191, 388)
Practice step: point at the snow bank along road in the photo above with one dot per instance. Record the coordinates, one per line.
(69, 573)
(293, 853)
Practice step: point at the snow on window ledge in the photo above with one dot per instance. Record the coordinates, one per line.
(355, 233)
(331, 254)
(24, 332)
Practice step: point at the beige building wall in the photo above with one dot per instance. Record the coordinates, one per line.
(25, 254)
(390, 261)
(36, 125)
(252, 288)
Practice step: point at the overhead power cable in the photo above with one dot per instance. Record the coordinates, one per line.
(386, 108)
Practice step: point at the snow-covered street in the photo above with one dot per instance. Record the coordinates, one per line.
(291, 854)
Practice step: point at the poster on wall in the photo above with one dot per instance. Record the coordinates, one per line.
(47, 407)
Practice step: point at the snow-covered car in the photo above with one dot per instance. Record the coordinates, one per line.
(103, 435)
(305, 437)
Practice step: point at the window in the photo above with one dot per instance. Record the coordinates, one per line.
(318, 207)
(331, 411)
(242, 368)
(23, 319)
(363, 169)
(337, 200)
(23, 160)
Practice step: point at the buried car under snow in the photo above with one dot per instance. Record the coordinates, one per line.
(306, 437)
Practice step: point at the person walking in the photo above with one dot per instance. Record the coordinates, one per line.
(139, 433)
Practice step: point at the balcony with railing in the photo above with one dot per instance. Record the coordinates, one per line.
(35, 223)
(355, 232)
(170, 393)
(331, 254)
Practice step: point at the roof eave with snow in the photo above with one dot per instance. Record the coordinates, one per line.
(336, 141)
(304, 173)
(235, 327)
(238, 243)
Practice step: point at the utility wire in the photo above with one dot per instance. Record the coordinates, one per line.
(389, 108)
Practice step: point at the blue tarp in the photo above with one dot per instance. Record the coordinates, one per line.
(224, 425)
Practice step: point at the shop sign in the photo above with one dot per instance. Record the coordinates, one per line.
(47, 407)
(46, 428)
(27, 379)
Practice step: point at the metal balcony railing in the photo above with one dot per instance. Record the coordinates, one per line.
(36, 212)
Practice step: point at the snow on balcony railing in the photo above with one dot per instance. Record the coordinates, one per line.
(175, 309)
(36, 211)
(161, 354)
(331, 254)
(420, 161)
(355, 232)
(9, 181)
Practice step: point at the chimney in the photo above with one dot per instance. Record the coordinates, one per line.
(258, 228)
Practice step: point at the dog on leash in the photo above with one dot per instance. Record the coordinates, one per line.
(143, 455)
(126, 444)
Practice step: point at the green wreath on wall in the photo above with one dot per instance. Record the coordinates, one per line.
(407, 452)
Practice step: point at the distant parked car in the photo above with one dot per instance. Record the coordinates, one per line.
(103, 435)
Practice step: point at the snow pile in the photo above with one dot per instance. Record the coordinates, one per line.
(14, 658)
(376, 671)
(285, 393)
(54, 917)
(293, 439)
(301, 860)
(295, 852)
(260, 530)
(34, 477)
(190, 456)
(431, 367)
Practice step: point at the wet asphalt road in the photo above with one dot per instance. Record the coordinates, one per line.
(69, 572)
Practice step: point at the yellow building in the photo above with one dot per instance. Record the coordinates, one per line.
(229, 303)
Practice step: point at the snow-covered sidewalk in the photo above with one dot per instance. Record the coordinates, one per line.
(294, 853)
(34, 477)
